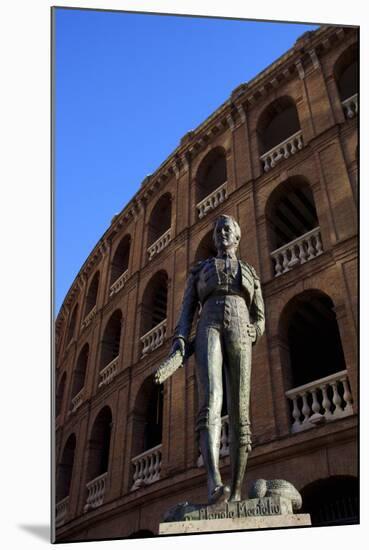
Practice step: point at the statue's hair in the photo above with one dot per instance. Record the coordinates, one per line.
(230, 219)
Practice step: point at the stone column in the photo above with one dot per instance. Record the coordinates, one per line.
(336, 184)
(317, 96)
(183, 197)
(241, 148)
(349, 342)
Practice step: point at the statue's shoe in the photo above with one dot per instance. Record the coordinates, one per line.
(220, 494)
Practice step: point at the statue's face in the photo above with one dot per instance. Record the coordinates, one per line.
(225, 235)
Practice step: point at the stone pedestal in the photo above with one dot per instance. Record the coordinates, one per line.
(237, 524)
(255, 513)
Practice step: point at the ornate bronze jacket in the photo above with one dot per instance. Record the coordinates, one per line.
(203, 281)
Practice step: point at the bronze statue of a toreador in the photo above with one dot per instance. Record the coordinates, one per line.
(231, 321)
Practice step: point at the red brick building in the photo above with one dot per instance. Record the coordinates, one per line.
(280, 155)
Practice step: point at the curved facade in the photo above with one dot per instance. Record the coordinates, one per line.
(281, 157)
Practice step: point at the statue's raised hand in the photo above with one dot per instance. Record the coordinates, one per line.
(178, 345)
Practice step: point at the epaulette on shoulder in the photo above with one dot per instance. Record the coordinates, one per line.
(248, 266)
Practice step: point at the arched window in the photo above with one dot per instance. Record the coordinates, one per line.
(279, 132)
(98, 458)
(110, 348)
(72, 324)
(119, 265)
(154, 312)
(65, 469)
(79, 377)
(154, 418)
(63, 480)
(211, 181)
(206, 248)
(332, 501)
(91, 297)
(346, 75)
(148, 427)
(159, 225)
(313, 361)
(293, 226)
(60, 395)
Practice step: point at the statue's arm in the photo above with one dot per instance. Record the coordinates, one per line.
(188, 308)
(257, 308)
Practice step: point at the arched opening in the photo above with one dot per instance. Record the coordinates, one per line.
(110, 345)
(154, 312)
(72, 324)
(147, 429)
(65, 469)
(346, 74)
(292, 225)
(119, 265)
(60, 395)
(313, 361)
(79, 376)
(91, 297)
(211, 176)
(279, 125)
(313, 337)
(206, 248)
(99, 445)
(332, 501)
(148, 416)
(159, 223)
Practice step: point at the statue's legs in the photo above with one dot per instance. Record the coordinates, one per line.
(238, 370)
(209, 359)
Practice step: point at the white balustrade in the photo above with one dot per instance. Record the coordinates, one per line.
(297, 252)
(89, 317)
(320, 401)
(224, 441)
(77, 400)
(154, 338)
(108, 373)
(146, 467)
(351, 106)
(61, 511)
(212, 201)
(119, 283)
(283, 150)
(159, 244)
(95, 492)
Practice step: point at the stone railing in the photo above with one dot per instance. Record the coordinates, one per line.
(147, 467)
(95, 492)
(108, 373)
(159, 244)
(224, 441)
(283, 150)
(77, 400)
(87, 320)
(298, 251)
(212, 201)
(119, 283)
(320, 401)
(154, 338)
(61, 511)
(351, 106)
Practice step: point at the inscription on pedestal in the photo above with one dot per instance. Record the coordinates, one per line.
(254, 507)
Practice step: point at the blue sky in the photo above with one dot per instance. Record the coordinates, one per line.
(128, 86)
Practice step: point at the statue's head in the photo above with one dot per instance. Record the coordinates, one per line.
(227, 233)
